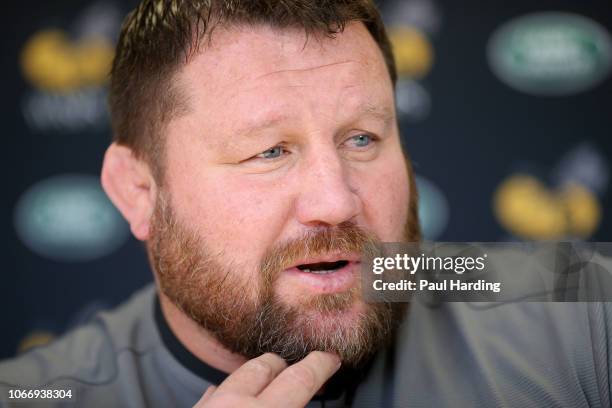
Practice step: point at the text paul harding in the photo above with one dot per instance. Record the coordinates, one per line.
(411, 264)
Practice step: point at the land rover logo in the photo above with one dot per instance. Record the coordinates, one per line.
(551, 53)
(69, 218)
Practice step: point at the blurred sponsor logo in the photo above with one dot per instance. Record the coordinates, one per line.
(36, 338)
(529, 209)
(584, 165)
(68, 71)
(51, 62)
(414, 54)
(422, 14)
(65, 112)
(434, 210)
(551, 53)
(69, 218)
(412, 100)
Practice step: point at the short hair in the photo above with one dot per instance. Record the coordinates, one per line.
(160, 36)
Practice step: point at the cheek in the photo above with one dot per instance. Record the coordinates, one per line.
(237, 218)
(385, 193)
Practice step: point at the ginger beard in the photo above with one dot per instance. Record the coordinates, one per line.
(248, 318)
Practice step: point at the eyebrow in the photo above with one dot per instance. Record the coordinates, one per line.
(255, 127)
(379, 111)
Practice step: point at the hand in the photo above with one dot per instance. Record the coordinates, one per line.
(266, 381)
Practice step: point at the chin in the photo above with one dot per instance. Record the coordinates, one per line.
(322, 319)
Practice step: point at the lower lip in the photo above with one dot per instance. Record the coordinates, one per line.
(337, 281)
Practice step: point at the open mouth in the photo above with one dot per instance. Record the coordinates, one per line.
(323, 268)
(326, 273)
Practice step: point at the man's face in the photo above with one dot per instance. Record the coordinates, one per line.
(286, 167)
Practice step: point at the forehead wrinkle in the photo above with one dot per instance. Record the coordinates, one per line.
(366, 104)
(305, 69)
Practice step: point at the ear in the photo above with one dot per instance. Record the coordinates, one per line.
(130, 185)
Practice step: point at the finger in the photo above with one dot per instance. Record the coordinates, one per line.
(254, 375)
(296, 385)
(206, 396)
(209, 392)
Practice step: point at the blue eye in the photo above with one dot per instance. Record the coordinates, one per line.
(272, 153)
(362, 140)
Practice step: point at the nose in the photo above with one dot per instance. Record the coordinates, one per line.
(326, 197)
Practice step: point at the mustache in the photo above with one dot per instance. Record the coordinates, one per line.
(345, 237)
